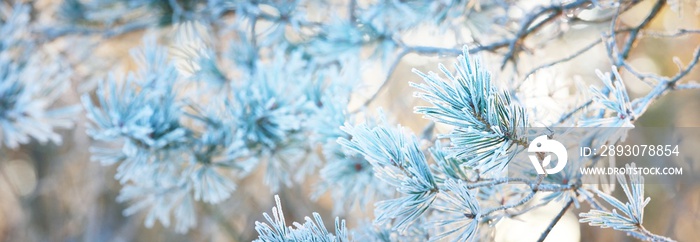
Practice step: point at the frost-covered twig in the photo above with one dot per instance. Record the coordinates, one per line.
(276, 230)
(626, 217)
(677, 33)
(634, 32)
(385, 83)
(527, 27)
(584, 49)
(666, 84)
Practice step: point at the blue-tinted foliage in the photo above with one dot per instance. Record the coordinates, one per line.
(487, 123)
(311, 230)
(243, 85)
(28, 86)
(398, 161)
(624, 216)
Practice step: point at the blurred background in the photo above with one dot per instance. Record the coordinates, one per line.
(54, 192)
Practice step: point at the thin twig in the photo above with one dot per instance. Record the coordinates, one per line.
(551, 12)
(386, 80)
(693, 85)
(126, 28)
(632, 37)
(429, 50)
(556, 220)
(522, 201)
(576, 110)
(641, 105)
(677, 33)
(54, 33)
(565, 59)
(525, 210)
(645, 77)
(654, 237)
(351, 11)
(535, 185)
(490, 47)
